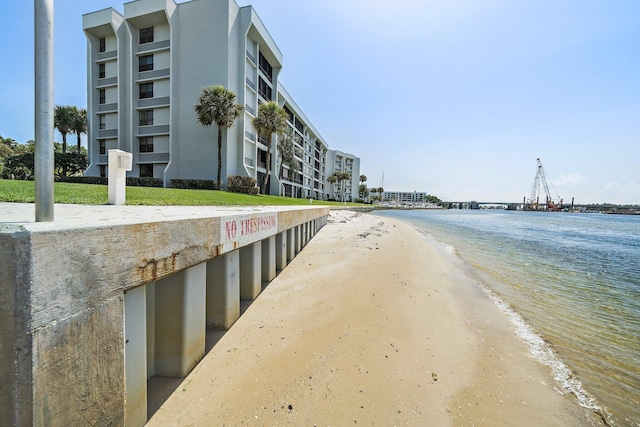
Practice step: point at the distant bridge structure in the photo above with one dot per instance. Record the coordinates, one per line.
(476, 205)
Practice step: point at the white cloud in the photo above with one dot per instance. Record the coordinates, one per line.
(568, 180)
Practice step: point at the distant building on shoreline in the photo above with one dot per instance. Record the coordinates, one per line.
(338, 161)
(145, 69)
(403, 197)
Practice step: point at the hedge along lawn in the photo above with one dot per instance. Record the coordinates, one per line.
(90, 194)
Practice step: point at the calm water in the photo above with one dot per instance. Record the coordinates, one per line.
(570, 284)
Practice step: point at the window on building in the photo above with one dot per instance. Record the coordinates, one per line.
(103, 44)
(101, 71)
(265, 67)
(146, 117)
(146, 90)
(146, 171)
(101, 119)
(146, 144)
(262, 158)
(289, 114)
(146, 35)
(103, 171)
(102, 95)
(145, 63)
(264, 89)
(103, 146)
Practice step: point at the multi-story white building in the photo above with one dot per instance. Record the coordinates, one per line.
(338, 161)
(145, 70)
(404, 197)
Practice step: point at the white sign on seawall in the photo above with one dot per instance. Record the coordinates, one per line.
(245, 229)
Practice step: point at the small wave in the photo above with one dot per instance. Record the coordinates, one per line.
(544, 353)
(450, 248)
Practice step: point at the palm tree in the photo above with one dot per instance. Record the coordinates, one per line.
(79, 123)
(332, 179)
(217, 105)
(271, 119)
(364, 192)
(341, 177)
(288, 151)
(363, 179)
(63, 117)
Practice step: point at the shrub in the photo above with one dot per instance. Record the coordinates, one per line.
(194, 184)
(132, 181)
(146, 181)
(242, 184)
(84, 179)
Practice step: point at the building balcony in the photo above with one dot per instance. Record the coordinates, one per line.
(251, 84)
(154, 74)
(153, 130)
(107, 133)
(163, 101)
(107, 108)
(155, 46)
(106, 56)
(151, 158)
(107, 81)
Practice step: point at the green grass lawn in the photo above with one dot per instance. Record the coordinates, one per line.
(24, 192)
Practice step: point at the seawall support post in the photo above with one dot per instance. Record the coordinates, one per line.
(291, 244)
(180, 321)
(250, 272)
(298, 238)
(268, 259)
(223, 290)
(135, 356)
(281, 251)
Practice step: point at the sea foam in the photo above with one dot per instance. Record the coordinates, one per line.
(544, 353)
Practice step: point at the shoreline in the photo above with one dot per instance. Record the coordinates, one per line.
(371, 324)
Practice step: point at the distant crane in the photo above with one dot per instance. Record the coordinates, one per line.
(533, 204)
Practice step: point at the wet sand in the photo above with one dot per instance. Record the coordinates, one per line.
(370, 324)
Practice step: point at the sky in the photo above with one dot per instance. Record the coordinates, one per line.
(457, 98)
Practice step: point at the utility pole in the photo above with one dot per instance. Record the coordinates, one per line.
(43, 164)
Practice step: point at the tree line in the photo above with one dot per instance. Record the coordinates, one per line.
(17, 160)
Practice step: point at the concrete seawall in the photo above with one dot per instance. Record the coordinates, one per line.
(95, 303)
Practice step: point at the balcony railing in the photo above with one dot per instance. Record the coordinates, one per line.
(162, 44)
(107, 55)
(108, 107)
(107, 81)
(154, 102)
(266, 73)
(251, 57)
(153, 130)
(154, 74)
(251, 84)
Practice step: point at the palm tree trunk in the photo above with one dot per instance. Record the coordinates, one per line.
(64, 151)
(79, 144)
(219, 158)
(265, 183)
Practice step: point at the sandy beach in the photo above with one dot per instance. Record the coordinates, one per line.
(370, 325)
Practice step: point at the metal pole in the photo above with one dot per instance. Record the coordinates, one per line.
(43, 162)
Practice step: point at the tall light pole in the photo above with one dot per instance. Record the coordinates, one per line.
(43, 162)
